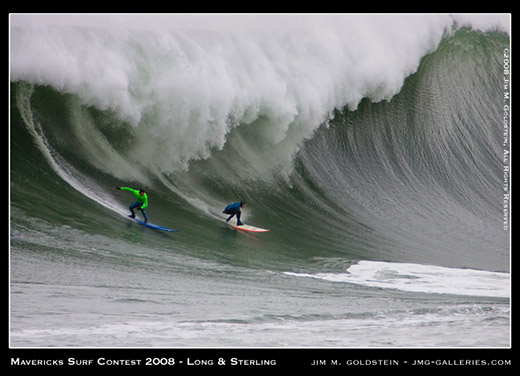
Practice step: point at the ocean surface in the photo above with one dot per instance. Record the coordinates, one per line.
(374, 148)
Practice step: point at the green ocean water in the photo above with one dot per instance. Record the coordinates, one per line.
(386, 211)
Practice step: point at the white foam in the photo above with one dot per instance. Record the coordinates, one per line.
(421, 278)
(186, 81)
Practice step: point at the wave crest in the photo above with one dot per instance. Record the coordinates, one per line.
(185, 91)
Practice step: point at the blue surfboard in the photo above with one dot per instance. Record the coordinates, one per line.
(155, 227)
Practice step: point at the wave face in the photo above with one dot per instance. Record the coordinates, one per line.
(351, 138)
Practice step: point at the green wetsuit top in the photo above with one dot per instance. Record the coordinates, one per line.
(142, 199)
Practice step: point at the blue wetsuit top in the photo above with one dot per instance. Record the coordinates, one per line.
(234, 207)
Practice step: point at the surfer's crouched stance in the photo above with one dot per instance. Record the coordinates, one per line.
(141, 203)
(234, 209)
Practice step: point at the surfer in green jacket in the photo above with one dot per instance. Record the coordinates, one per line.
(141, 203)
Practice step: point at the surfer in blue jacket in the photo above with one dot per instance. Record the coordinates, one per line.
(234, 209)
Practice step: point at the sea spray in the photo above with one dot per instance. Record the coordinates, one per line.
(184, 91)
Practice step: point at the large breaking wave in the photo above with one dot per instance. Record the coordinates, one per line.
(378, 137)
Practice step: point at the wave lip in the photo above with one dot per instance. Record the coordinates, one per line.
(421, 278)
(185, 91)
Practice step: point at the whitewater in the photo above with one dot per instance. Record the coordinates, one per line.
(371, 145)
